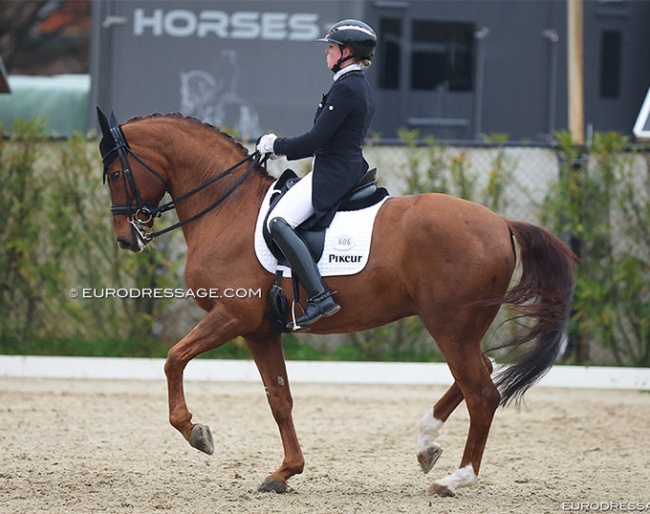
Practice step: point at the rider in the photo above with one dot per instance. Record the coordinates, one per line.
(335, 141)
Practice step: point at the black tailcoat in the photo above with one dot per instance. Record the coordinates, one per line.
(335, 140)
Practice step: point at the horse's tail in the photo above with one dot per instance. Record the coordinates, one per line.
(544, 295)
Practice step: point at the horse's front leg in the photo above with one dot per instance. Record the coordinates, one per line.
(211, 332)
(269, 358)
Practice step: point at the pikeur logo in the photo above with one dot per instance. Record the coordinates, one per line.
(238, 25)
(344, 258)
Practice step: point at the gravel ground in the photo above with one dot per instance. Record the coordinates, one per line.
(87, 446)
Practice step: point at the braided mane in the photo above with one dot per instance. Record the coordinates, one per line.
(180, 116)
(196, 121)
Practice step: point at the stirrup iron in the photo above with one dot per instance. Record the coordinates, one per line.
(294, 324)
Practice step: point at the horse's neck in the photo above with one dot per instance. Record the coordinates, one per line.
(192, 163)
(240, 207)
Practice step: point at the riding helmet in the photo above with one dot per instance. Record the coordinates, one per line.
(356, 35)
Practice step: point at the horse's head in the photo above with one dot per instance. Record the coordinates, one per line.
(135, 187)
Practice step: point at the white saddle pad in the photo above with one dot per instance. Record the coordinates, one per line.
(347, 241)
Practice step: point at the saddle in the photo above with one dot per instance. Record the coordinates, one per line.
(365, 193)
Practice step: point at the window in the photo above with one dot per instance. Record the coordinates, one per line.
(442, 53)
(610, 64)
(390, 51)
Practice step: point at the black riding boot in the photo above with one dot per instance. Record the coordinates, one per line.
(320, 301)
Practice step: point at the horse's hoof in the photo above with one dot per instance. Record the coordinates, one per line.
(441, 490)
(429, 456)
(201, 439)
(272, 485)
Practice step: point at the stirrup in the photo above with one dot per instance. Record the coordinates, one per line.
(321, 305)
(293, 324)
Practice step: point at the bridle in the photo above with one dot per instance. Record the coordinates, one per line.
(140, 213)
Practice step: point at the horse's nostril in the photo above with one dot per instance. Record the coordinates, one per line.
(124, 243)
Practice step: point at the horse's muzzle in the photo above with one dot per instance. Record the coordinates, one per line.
(130, 243)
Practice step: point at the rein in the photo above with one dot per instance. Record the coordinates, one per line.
(255, 159)
(151, 211)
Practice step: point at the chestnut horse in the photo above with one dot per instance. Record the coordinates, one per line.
(447, 260)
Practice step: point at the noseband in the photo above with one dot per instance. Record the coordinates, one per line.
(140, 213)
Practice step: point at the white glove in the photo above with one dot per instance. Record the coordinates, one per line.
(266, 145)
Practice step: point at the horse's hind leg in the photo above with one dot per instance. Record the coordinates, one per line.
(429, 450)
(432, 422)
(472, 376)
(269, 358)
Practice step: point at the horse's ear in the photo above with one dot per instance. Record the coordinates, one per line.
(113, 119)
(116, 131)
(103, 124)
(107, 144)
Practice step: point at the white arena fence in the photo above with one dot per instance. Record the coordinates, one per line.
(589, 377)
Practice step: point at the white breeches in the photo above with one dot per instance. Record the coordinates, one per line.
(295, 206)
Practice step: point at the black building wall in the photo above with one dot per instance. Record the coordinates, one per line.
(617, 73)
(519, 70)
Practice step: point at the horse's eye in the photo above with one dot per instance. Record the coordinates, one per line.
(115, 175)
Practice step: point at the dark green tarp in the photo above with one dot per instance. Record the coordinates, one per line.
(61, 100)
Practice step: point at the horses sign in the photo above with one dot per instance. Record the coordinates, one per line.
(274, 26)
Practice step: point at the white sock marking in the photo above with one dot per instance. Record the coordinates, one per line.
(462, 477)
(429, 430)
